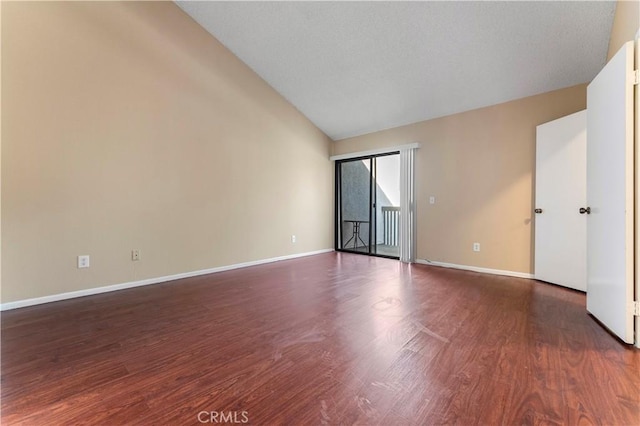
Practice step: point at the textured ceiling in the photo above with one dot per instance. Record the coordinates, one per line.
(357, 67)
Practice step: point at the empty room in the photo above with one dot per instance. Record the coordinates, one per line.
(300, 213)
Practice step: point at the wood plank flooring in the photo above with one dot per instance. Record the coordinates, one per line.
(335, 338)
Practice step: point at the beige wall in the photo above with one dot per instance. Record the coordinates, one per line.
(480, 167)
(125, 125)
(626, 23)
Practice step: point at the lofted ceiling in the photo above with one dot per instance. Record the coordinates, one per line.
(358, 67)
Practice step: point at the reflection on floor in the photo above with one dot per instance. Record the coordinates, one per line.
(381, 249)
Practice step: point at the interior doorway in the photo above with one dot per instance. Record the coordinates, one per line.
(368, 205)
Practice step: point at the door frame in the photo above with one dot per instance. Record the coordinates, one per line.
(372, 203)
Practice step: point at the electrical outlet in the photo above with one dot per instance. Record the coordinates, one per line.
(293, 238)
(432, 200)
(83, 261)
(476, 246)
(135, 255)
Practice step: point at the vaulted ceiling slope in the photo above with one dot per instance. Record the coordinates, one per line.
(358, 67)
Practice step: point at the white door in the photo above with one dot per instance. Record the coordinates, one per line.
(637, 173)
(561, 190)
(610, 195)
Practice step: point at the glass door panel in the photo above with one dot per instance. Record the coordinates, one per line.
(387, 205)
(355, 205)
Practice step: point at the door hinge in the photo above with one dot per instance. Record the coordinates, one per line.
(636, 309)
(636, 77)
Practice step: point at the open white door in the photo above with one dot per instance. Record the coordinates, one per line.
(561, 191)
(610, 192)
(637, 145)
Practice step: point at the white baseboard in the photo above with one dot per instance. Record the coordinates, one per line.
(476, 269)
(149, 281)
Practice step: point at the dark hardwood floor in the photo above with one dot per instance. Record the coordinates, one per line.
(327, 339)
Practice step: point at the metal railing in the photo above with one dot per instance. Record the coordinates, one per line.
(390, 221)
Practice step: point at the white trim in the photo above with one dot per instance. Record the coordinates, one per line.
(149, 281)
(477, 269)
(387, 150)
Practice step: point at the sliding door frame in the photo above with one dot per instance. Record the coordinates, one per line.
(373, 202)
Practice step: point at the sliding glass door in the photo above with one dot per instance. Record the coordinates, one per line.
(387, 205)
(354, 191)
(367, 205)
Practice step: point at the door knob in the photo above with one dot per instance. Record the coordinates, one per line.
(538, 211)
(583, 210)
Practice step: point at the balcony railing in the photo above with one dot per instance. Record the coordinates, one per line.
(390, 221)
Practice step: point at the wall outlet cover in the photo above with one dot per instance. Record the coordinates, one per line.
(83, 261)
